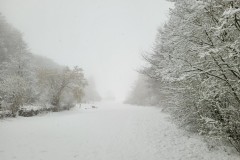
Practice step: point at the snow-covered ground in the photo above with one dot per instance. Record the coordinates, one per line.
(109, 132)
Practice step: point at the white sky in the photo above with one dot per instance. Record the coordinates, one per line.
(104, 37)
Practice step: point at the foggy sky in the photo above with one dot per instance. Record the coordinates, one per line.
(104, 37)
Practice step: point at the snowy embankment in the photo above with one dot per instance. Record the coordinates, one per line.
(108, 132)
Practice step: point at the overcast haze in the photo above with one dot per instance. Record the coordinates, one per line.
(104, 37)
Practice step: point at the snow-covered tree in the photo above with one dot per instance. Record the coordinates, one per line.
(16, 73)
(29, 79)
(196, 56)
(90, 91)
(55, 82)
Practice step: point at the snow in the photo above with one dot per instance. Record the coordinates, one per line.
(36, 107)
(208, 120)
(231, 11)
(109, 132)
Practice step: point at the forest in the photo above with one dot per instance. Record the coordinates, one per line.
(28, 80)
(193, 70)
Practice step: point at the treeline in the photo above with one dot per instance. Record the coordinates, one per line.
(90, 92)
(196, 66)
(28, 80)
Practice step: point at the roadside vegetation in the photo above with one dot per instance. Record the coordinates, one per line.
(194, 69)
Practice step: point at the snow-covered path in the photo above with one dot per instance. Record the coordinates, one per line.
(110, 132)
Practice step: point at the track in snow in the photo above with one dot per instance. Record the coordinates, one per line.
(110, 132)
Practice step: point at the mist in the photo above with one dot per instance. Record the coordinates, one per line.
(105, 38)
(119, 79)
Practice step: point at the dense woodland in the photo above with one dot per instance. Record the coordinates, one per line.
(194, 68)
(29, 80)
